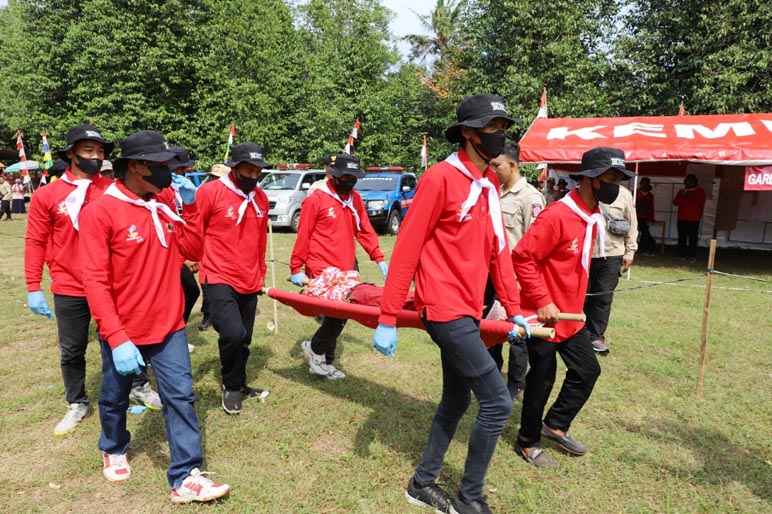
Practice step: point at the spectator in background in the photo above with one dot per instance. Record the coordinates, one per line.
(621, 244)
(549, 191)
(107, 169)
(329, 160)
(690, 201)
(18, 197)
(644, 210)
(6, 194)
(562, 189)
(57, 169)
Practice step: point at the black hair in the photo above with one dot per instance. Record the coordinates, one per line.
(512, 151)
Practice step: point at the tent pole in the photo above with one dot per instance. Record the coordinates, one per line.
(273, 279)
(635, 194)
(705, 314)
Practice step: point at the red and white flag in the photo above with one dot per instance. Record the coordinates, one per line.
(22, 157)
(543, 105)
(354, 135)
(681, 110)
(228, 145)
(424, 155)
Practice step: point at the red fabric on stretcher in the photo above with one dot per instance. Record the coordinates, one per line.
(491, 331)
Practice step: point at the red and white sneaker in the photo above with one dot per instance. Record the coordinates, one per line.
(116, 467)
(198, 488)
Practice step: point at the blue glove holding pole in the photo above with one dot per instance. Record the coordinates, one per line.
(519, 320)
(299, 279)
(127, 359)
(38, 304)
(185, 187)
(384, 269)
(385, 339)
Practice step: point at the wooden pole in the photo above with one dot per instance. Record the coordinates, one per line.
(273, 280)
(705, 313)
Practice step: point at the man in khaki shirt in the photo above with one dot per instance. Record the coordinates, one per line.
(605, 271)
(520, 204)
(5, 197)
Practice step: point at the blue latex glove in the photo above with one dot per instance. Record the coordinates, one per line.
(127, 359)
(519, 320)
(385, 339)
(38, 304)
(185, 187)
(298, 279)
(384, 269)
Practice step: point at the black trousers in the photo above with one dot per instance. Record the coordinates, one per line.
(582, 373)
(190, 289)
(233, 317)
(604, 277)
(646, 242)
(325, 339)
(73, 317)
(5, 208)
(688, 231)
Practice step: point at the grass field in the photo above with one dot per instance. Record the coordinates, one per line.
(350, 446)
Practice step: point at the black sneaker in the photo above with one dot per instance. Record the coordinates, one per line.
(231, 401)
(205, 323)
(459, 506)
(254, 393)
(430, 496)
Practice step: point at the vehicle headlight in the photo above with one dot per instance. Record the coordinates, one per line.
(376, 204)
(283, 200)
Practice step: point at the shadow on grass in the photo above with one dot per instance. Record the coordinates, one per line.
(722, 461)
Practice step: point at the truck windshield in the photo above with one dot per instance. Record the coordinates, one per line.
(279, 181)
(376, 184)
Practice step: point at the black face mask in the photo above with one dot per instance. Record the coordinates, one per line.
(247, 184)
(606, 193)
(343, 187)
(88, 166)
(160, 176)
(491, 144)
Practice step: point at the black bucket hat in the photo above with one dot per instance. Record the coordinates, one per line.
(182, 158)
(145, 145)
(599, 160)
(81, 132)
(476, 112)
(248, 152)
(346, 164)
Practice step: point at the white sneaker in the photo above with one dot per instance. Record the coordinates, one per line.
(75, 414)
(116, 467)
(198, 488)
(317, 364)
(145, 395)
(191, 348)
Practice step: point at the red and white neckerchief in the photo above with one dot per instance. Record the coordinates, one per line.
(76, 198)
(475, 189)
(346, 203)
(248, 198)
(591, 220)
(152, 205)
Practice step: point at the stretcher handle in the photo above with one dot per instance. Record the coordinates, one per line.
(569, 316)
(540, 332)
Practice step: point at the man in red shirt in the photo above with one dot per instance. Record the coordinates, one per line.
(690, 201)
(332, 219)
(234, 212)
(52, 239)
(552, 263)
(134, 242)
(644, 211)
(452, 239)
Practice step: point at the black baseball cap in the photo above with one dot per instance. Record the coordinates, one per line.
(346, 164)
(182, 158)
(248, 152)
(81, 132)
(691, 176)
(329, 159)
(599, 160)
(476, 112)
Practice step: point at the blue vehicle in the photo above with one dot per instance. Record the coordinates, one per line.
(387, 194)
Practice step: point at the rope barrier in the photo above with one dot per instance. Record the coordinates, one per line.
(716, 272)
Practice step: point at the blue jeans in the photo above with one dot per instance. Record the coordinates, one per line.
(467, 368)
(171, 363)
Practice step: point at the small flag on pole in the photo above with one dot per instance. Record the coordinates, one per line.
(424, 155)
(543, 105)
(681, 110)
(354, 135)
(47, 159)
(228, 146)
(22, 158)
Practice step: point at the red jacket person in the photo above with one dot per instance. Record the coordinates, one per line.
(451, 240)
(132, 279)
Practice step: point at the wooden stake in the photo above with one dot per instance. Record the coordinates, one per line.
(273, 280)
(705, 313)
